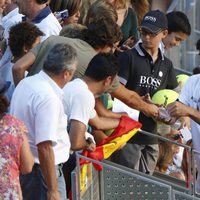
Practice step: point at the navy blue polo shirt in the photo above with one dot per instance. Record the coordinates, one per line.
(139, 73)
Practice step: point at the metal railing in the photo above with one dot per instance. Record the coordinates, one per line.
(116, 182)
(119, 182)
(189, 160)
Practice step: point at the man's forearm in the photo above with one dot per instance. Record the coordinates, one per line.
(108, 123)
(47, 164)
(18, 75)
(22, 65)
(133, 100)
(103, 112)
(103, 123)
(77, 135)
(178, 109)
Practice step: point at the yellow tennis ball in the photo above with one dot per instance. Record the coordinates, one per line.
(181, 79)
(164, 97)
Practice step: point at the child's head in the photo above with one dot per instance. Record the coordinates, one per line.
(178, 29)
(153, 29)
(22, 37)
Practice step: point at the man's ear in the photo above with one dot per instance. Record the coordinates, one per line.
(25, 49)
(165, 33)
(67, 75)
(108, 81)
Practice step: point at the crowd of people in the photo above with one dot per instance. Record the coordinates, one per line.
(59, 59)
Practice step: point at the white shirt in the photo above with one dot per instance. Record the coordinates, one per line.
(190, 95)
(49, 26)
(45, 21)
(10, 20)
(79, 101)
(161, 45)
(37, 100)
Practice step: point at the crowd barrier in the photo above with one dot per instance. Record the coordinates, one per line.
(116, 182)
(195, 154)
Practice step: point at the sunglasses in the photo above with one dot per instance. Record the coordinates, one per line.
(145, 32)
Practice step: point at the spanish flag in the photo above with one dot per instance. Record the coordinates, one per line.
(126, 129)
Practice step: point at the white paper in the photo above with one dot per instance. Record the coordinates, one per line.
(119, 106)
(186, 134)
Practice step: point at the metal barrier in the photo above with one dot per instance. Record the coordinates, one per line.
(182, 71)
(92, 184)
(195, 154)
(182, 196)
(119, 182)
(176, 185)
(116, 183)
(120, 185)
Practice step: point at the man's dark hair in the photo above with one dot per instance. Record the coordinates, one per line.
(101, 33)
(99, 10)
(61, 57)
(198, 45)
(21, 35)
(101, 66)
(178, 22)
(196, 70)
(73, 31)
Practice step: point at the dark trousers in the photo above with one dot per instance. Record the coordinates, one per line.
(34, 187)
(68, 167)
(139, 157)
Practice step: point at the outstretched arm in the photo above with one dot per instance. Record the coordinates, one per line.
(104, 123)
(178, 109)
(22, 65)
(133, 100)
(103, 112)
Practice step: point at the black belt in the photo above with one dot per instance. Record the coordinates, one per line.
(38, 165)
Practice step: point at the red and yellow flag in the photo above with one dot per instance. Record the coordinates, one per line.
(126, 129)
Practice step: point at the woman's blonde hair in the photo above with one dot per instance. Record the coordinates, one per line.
(141, 8)
(121, 4)
(165, 156)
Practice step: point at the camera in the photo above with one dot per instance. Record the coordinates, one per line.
(62, 15)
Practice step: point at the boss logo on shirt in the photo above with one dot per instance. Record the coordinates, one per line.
(150, 18)
(149, 82)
